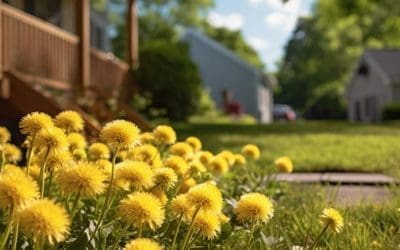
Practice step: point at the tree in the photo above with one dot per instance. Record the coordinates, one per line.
(323, 49)
(235, 41)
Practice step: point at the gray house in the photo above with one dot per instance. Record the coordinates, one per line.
(221, 70)
(375, 83)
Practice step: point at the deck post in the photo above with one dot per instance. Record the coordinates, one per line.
(1, 42)
(133, 34)
(82, 14)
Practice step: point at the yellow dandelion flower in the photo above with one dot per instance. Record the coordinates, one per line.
(161, 195)
(12, 169)
(284, 164)
(138, 174)
(240, 160)
(194, 142)
(55, 159)
(181, 149)
(142, 244)
(180, 207)
(177, 163)
(12, 153)
(34, 172)
(206, 197)
(76, 141)
(16, 188)
(5, 135)
(142, 209)
(228, 156)
(84, 178)
(69, 120)
(105, 166)
(79, 155)
(146, 138)
(197, 167)
(99, 151)
(164, 178)
(207, 225)
(186, 185)
(44, 219)
(251, 151)
(164, 134)
(331, 218)
(219, 165)
(205, 157)
(119, 134)
(52, 138)
(147, 153)
(223, 218)
(33, 123)
(121, 156)
(254, 207)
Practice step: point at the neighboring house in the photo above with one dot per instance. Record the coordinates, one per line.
(375, 83)
(221, 70)
(62, 14)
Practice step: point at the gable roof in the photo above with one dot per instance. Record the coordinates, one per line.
(388, 60)
(220, 49)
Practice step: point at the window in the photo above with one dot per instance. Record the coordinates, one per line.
(363, 70)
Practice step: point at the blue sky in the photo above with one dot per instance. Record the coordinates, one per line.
(266, 24)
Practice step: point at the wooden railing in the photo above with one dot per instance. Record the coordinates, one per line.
(35, 47)
(107, 72)
(49, 55)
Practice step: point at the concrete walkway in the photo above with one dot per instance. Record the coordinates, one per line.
(347, 189)
(338, 178)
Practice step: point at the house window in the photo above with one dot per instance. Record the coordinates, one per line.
(363, 70)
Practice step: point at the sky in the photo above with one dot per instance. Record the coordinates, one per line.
(266, 24)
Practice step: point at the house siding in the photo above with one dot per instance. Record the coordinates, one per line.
(221, 72)
(371, 92)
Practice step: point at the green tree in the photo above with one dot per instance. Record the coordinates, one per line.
(235, 41)
(323, 49)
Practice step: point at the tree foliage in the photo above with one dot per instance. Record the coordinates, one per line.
(235, 41)
(324, 48)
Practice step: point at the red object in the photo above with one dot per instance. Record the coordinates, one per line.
(233, 108)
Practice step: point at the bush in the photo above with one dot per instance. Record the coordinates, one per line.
(171, 78)
(391, 112)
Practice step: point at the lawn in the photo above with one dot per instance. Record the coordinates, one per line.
(313, 146)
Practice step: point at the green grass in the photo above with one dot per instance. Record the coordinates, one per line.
(313, 146)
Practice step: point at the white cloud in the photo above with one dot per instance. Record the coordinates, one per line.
(283, 15)
(233, 21)
(281, 20)
(258, 43)
(255, 2)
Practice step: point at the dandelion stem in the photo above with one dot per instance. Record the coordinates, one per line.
(29, 157)
(108, 195)
(177, 231)
(41, 175)
(3, 160)
(75, 204)
(319, 236)
(6, 234)
(189, 232)
(140, 232)
(48, 189)
(252, 228)
(15, 234)
(120, 235)
(191, 241)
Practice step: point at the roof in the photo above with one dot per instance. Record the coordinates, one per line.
(388, 60)
(220, 49)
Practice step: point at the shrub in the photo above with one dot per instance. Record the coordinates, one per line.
(391, 112)
(171, 78)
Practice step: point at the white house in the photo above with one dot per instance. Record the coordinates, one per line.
(375, 83)
(221, 70)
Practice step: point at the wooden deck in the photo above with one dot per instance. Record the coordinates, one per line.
(44, 68)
